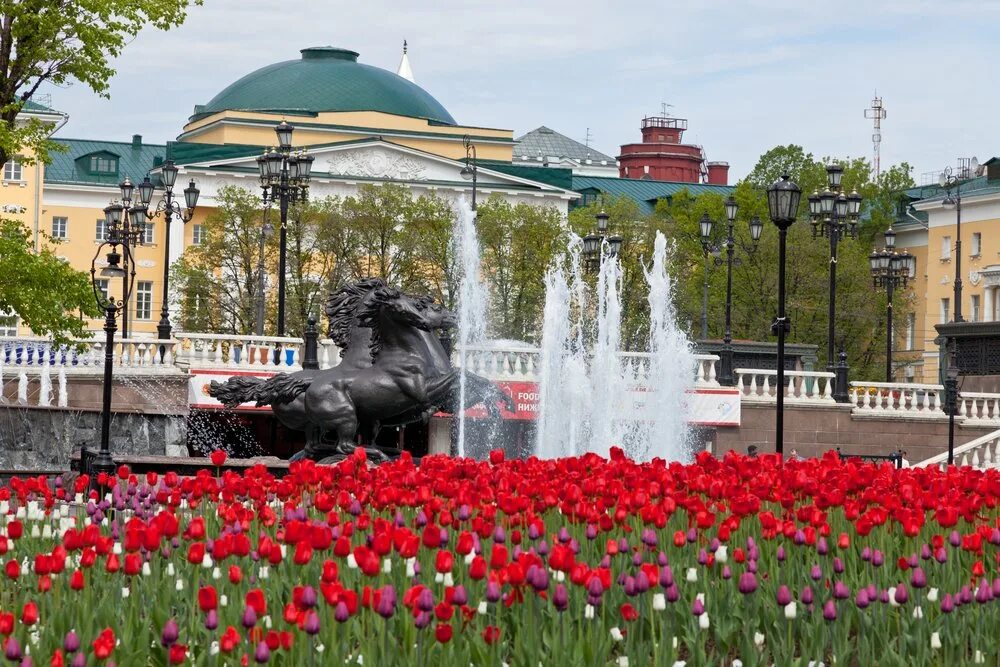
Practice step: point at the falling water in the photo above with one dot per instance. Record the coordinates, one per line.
(45, 383)
(22, 387)
(63, 394)
(593, 399)
(471, 303)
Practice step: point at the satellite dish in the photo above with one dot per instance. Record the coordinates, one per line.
(942, 179)
(974, 166)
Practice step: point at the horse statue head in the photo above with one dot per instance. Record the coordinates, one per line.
(389, 307)
(343, 306)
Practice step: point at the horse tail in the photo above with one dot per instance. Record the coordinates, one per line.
(276, 390)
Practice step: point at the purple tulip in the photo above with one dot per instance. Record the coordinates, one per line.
(784, 596)
(311, 625)
(673, 595)
(79, 660)
(71, 643)
(262, 653)
(341, 613)
(425, 599)
(516, 552)
(421, 519)
(996, 587)
(872, 592)
(821, 548)
(913, 560)
(464, 512)
(866, 554)
(642, 582)
(533, 533)
(605, 563)
(747, 583)
(211, 620)
(385, 608)
(901, 594)
(249, 617)
(780, 554)
(493, 593)
(666, 577)
(947, 604)
(28, 662)
(692, 535)
(308, 598)
(563, 535)
(423, 619)
(591, 531)
(459, 596)
(984, 593)
(799, 538)
(877, 558)
(838, 565)
(955, 539)
(170, 633)
(752, 566)
(12, 650)
(830, 611)
(698, 608)
(629, 586)
(816, 573)
(861, 599)
(841, 591)
(661, 559)
(649, 538)
(925, 552)
(918, 579)
(702, 557)
(727, 573)
(543, 548)
(807, 596)
(714, 545)
(560, 598)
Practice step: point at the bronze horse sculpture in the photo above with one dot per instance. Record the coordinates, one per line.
(394, 371)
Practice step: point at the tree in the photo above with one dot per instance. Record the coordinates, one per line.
(218, 280)
(47, 293)
(860, 309)
(56, 42)
(518, 242)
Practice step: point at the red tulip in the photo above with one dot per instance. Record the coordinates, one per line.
(207, 599)
(29, 613)
(443, 632)
(218, 457)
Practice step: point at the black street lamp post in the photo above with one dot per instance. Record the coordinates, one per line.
(952, 181)
(705, 227)
(951, 398)
(835, 215)
(782, 205)
(471, 168)
(594, 244)
(169, 207)
(119, 232)
(890, 269)
(707, 248)
(284, 178)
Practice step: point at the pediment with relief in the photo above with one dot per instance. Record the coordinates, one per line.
(376, 163)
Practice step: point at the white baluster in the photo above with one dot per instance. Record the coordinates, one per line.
(965, 459)
(712, 375)
(975, 458)
(168, 353)
(987, 456)
(766, 387)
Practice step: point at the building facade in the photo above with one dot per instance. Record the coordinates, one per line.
(662, 155)
(361, 124)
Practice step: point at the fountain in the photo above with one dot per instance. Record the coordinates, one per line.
(471, 306)
(596, 398)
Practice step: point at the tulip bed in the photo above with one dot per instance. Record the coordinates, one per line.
(582, 561)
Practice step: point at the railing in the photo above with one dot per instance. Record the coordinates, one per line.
(759, 385)
(922, 401)
(982, 453)
(521, 364)
(84, 356)
(979, 409)
(249, 353)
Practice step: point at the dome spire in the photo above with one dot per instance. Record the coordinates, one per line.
(404, 66)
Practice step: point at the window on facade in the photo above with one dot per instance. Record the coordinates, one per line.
(102, 287)
(945, 308)
(59, 227)
(974, 308)
(945, 247)
(911, 331)
(102, 164)
(197, 237)
(143, 300)
(8, 324)
(12, 170)
(977, 244)
(101, 230)
(147, 233)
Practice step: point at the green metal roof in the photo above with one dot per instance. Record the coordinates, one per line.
(326, 79)
(644, 192)
(133, 161)
(558, 177)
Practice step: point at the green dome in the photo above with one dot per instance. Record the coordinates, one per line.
(326, 79)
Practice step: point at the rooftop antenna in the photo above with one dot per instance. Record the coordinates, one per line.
(663, 109)
(586, 141)
(876, 112)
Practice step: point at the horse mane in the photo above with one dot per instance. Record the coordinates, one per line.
(367, 315)
(342, 309)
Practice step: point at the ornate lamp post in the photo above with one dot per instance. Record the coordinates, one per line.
(890, 269)
(594, 243)
(782, 205)
(705, 227)
(471, 168)
(119, 233)
(284, 178)
(834, 215)
(707, 248)
(169, 207)
(953, 182)
(132, 223)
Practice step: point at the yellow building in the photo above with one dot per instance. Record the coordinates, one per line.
(928, 228)
(361, 124)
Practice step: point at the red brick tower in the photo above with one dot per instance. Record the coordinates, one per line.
(663, 157)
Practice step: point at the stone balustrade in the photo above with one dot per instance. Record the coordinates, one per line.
(85, 356)
(521, 364)
(759, 386)
(248, 353)
(982, 453)
(909, 400)
(979, 409)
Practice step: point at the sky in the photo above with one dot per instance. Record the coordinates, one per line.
(747, 74)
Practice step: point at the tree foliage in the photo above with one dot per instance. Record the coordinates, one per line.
(48, 294)
(57, 42)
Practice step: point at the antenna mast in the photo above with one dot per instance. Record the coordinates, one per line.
(586, 141)
(876, 112)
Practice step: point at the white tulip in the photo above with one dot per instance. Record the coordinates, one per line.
(623, 661)
(448, 580)
(918, 612)
(146, 569)
(659, 602)
(936, 640)
(352, 562)
(214, 649)
(932, 595)
(692, 575)
(216, 573)
(703, 621)
(116, 548)
(980, 658)
(387, 566)
(206, 561)
(588, 611)
(264, 572)
(180, 585)
(125, 592)
(758, 639)
(616, 634)
(170, 569)
(722, 554)
(791, 610)
(410, 570)
(483, 608)
(223, 601)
